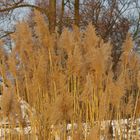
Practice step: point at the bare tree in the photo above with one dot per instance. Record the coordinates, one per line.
(110, 17)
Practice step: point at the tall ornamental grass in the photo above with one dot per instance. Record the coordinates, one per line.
(67, 79)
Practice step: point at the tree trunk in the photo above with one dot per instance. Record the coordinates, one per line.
(76, 13)
(61, 16)
(52, 15)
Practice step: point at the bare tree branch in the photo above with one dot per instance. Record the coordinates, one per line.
(42, 10)
(6, 34)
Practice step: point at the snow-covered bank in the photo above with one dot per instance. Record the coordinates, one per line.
(123, 128)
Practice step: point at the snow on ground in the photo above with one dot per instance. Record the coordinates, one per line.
(124, 127)
(120, 127)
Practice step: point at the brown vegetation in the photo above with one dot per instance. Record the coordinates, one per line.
(69, 79)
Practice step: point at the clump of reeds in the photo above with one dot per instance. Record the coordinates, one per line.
(68, 79)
